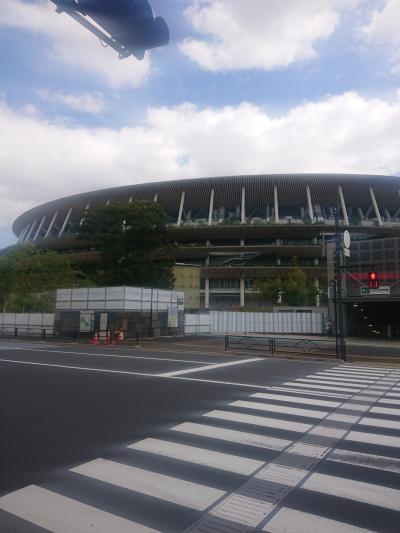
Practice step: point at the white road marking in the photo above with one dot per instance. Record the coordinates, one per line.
(380, 423)
(306, 386)
(335, 377)
(392, 395)
(324, 382)
(289, 521)
(310, 413)
(200, 456)
(170, 489)
(354, 490)
(314, 393)
(386, 411)
(378, 462)
(54, 512)
(327, 431)
(345, 374)
(259, 421)
(373, 438)
(231, 435)
(388, 400)
(110, 355)
(295, 399)
(241, 510)
(339, 417)
(209, 367)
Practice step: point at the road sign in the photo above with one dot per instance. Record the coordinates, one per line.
(383, 290)
(346, 239)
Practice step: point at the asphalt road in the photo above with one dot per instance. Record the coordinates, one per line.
(179, 438)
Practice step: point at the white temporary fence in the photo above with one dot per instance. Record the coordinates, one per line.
(27, 323)
(227, 322)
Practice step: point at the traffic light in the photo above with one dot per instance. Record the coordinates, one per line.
(373, 280)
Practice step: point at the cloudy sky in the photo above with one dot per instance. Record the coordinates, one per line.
(245, 86)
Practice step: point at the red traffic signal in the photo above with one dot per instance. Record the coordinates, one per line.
(373, 280)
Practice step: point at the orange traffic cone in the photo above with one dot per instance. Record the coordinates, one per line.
(96, 339)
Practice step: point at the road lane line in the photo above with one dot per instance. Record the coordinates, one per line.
(309, 413)
(170, 489)
(275, 423)
(289, 520)
(367, 460)
(231, 435)
(359, 491)
(55, 512)
(295, 399)
(200, 456)
(209, 367)
(112, 356)
(373, 438)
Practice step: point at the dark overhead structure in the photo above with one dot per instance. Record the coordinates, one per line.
(238, 229)
(128, 26)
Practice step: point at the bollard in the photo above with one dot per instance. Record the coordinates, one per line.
(43, 334)
(15, 333)
(226, 342)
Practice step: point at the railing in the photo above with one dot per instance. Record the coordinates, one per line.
(272, 345)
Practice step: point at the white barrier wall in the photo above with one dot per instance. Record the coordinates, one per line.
(27, 322)
(224, 322)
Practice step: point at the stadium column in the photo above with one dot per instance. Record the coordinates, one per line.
(155, 198)
(86, 209)
(23, 233)
(207, 293)
(243, 206)
(310, 206)
(65, 222)
(211, 208)
(27, 238)
(242, 292)
(376, 208)
(178, 222)
(39, 228)
(51, 225)
(276, 205)
(343, 205)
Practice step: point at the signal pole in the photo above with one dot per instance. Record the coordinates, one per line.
(339, 324)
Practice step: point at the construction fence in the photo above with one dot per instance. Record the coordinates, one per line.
(230, 322)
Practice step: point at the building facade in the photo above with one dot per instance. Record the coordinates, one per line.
(237, 229)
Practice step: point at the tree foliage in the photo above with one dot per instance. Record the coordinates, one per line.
(29, 277)
(132, 242)
(295, 289)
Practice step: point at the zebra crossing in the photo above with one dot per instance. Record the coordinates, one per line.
(320, 452)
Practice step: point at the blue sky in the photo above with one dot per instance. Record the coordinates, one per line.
(245, 86)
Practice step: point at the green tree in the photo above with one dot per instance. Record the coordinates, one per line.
(132, 243)
(268, 290)
(296, 288)
(29, 277)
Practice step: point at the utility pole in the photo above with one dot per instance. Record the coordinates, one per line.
(151, 314)
(339, 325)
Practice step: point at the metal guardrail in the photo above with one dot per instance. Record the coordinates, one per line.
(295, 345)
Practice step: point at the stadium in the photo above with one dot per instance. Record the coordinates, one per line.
(233, 230)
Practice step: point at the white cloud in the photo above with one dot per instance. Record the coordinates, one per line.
(72, 44)
(41, 161)
(259, 34)
(85, 102)
(383, 29)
